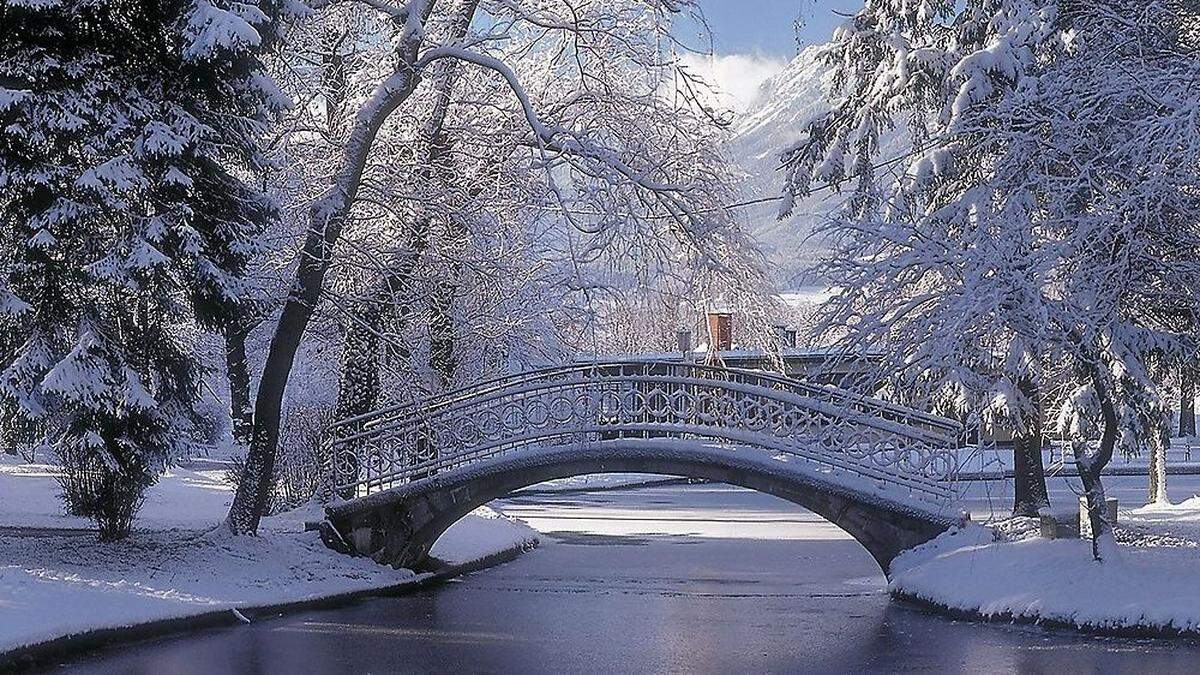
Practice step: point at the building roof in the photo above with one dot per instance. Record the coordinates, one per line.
(739, 354)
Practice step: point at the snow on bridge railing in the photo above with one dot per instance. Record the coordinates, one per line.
(589, 403)
(873, 406)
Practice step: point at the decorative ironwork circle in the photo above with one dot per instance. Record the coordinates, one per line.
(537, 414)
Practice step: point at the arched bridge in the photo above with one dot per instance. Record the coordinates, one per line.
(881, 472)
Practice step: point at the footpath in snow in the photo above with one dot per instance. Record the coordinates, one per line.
(57, 580)
(1152, 590)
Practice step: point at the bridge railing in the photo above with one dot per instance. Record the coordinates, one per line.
(840, 397)
(823, 427)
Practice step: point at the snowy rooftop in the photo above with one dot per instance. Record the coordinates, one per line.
(807, 295)
(738, 353)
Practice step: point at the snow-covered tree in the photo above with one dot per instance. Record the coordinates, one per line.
(127, 132)
(1044, 231)
(461, 261)
(574, 94)
(916, 272)
(1123, 231)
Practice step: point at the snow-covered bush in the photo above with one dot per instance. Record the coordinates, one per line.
(302, 461)
(109, 494)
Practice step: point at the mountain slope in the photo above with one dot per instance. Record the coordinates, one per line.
(775, 120)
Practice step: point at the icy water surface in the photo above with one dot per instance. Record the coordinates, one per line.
(698, 578)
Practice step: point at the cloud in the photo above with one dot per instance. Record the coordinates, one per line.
(736, 77)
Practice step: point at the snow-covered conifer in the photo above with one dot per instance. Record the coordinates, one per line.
(128, 131)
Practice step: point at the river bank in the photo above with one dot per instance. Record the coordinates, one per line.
(61, 588)
(1011, 574)
(681, 578)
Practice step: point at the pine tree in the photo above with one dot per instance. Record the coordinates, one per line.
(128, 130)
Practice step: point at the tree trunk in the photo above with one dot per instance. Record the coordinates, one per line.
(1158, 472)
(1104, 544)
(1029, 471)
(326, 219)
(238, 374)
(441, 356)
(1187, 400)
(358, 387)
(441, 333)
(439, 167)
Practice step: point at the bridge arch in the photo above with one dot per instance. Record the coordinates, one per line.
(399, 526)
(881, 472)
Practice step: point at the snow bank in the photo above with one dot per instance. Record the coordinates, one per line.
(1182, 519)
(482, 533)
(1152, 589)
(56, 579)
(160, 575)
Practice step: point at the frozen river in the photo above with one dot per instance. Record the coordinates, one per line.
(699, 578)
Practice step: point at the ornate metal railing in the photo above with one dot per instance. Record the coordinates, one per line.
(838, 431)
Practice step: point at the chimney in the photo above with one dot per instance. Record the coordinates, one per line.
(720, 331)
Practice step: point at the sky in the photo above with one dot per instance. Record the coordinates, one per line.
(768, 27)
(754, 39)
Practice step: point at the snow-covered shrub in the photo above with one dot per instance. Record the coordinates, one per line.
(212, 425)
(301, 461)
(107, 492)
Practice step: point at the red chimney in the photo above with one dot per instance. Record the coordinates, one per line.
(720, 331)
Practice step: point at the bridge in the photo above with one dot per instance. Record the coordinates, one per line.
(881, 472)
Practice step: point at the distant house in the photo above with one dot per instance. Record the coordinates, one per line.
(821, 365)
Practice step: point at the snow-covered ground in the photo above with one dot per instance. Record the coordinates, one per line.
(1183, 453)
(1152, 587)
(30, 498)
(56, 579)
